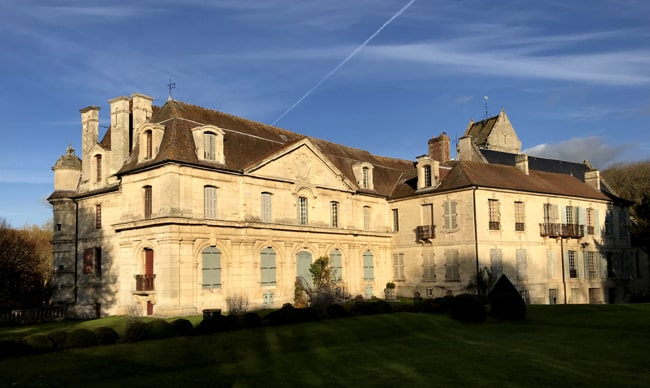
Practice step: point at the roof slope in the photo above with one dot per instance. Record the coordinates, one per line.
(247, 141)
(476, 174)
(480, 130)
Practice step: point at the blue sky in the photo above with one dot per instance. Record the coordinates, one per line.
(573, 76)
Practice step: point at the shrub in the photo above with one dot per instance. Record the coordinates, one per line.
(237, 304)
(506, 305)
(136, 330)
(159, 329)
(14, 348)
(434, 307)
(182, 327)
(40, 343)
(215, 324)
(81, 338)
(251, 320)
(468, 308)
(445, 302)
(59, 339)
(320, 301)
(106, 336)
(336, 310)
(371, 308)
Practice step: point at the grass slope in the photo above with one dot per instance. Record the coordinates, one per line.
(603, 345)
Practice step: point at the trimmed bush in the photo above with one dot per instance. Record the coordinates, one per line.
(432, 307)
(182, 327)
(506, 305)
(336, 310)
(14, 348)
(159, 329)
(217, 323)
(106, 336)
(40, 342)
(372, 308)
(251, 320)
(445, 302)
(59, 339)
(468, 308)
(136, 330)
(81, 338)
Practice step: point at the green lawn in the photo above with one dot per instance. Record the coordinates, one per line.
(604, 345)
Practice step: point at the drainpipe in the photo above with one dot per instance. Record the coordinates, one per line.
(563, 272)
(76, 249)
(475, 234)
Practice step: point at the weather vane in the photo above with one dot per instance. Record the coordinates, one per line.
(171, 85)
(485, 98)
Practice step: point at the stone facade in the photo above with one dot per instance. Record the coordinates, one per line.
(177, 208)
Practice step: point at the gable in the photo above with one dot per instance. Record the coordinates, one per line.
(301, 164)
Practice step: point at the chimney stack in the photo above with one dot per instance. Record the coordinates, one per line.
(592, 178)
(439, 148)
(521, 162)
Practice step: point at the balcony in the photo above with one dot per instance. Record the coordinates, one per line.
(425, 232)
(562, 230)
(144, 282)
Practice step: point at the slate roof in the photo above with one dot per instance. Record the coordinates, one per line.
(480, 130)
(247, 141)
(466, 174)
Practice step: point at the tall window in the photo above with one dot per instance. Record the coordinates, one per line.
(211, 267)
(395, 220)
(209, 141)
(336, 264)
(149, 145)
(398, 266)
(210, 202)
(520, 216)
(147, 202)
(495, 216)
(334, 214)
(302, 211)
(550, 264)
(569, 216)
(622, 225)
(522, 271)
(428, 266)
(591, 216)
(366, 217)
(365, 177)
(450, 216)
(608, 223)
(266, 207)
(98, 167)
(267, 265)
(427, 176)
(496, 263)
(368, 266)
(591, 265)
(573, 269)
(451, 265)
(92, 261)
(550, 213)
(98, 216)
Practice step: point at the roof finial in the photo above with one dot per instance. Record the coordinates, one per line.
(171, 85)
(485, 98)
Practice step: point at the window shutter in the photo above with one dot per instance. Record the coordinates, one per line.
(550, 264)
(368, 267)
(521, 264)
(496, 263)
(454, 223)
(596, 223)
(336, 265)
(582, 218)
(267, 265)
(580, 268)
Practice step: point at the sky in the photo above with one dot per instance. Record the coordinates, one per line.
(379, 75)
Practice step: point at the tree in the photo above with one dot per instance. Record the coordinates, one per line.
(25, 265)
(632, 181)
(322, 274)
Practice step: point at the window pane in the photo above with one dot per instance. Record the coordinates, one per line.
(211, 269)
(268, 267)
(266, 207)
(210, 202)
(368, 266)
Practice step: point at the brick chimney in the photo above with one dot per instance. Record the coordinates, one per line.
(592, 178)
(521, 162)
(439, 148)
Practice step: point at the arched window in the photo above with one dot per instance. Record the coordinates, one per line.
(336, 265)
(303, 218)
(368, 266)
(211, 267)
(267, 265)
(303, 263)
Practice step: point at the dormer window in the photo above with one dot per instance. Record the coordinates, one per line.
(208, 141)
(363, 173)
(427, 176)
(428, 172)
(149, 139)
(148, 145)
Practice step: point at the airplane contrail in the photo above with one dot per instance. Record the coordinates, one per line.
(344, 61)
